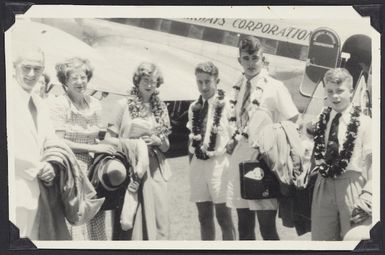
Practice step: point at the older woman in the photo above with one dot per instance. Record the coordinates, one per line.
(77, 118)
(143, 115)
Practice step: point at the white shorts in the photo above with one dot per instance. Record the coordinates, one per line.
(208, 179)
(244, 152)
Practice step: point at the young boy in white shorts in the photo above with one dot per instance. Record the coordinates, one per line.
(343, 156)
(210, 132)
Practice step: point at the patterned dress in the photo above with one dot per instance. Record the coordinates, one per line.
(80, 126)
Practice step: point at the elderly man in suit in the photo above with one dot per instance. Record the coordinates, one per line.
(29, 127)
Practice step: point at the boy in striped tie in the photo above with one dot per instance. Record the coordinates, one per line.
(255, 89)
(343, 157)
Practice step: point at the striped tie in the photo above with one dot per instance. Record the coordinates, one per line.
(33, 111)
(332, 150)
(245, 104)
(203, 115)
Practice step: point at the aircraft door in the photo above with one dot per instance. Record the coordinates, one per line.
(362, 96)
(324, 54)
(358, 47)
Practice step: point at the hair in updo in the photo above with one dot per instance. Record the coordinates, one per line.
(65, 68)
(150, 70)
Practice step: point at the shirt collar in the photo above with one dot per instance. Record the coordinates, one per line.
(262, 74)
(21, 93)
(345, 115)
(210, 100)
(72, 105)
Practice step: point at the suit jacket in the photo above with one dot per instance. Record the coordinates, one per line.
(25, 141)
(281, 147)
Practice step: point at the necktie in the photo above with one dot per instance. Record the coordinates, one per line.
(333, 144)
(245, 104)
(203, 115)
(33, 111)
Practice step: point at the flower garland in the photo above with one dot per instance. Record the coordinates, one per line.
(239, 131)
(138, 110)
(201, 151)
(339, 165)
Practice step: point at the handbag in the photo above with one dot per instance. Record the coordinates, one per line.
(258, 181)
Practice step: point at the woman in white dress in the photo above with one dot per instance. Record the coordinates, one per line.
(142, 115)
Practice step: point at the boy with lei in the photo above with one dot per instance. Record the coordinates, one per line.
(210, 132)
(342, 153)
(254, 90)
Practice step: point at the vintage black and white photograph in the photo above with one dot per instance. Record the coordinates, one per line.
(253, 125)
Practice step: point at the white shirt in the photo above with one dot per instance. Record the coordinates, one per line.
(272, 95)
(225, 131)
(362, 144)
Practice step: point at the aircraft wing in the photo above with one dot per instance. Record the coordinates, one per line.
(126, 46)
(58, 46)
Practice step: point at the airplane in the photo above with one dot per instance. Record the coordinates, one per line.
(298, 53)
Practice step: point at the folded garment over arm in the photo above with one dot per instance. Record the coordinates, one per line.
(72, 196)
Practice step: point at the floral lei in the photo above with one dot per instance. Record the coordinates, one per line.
(240, 131)
(201, 151)
(137, 109)
(339, 165)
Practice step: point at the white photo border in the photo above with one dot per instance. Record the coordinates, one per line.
(264, 12)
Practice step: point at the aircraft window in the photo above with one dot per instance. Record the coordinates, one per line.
(270, 46)
(230, 38)
(304, 53)
(291, 50)
(165, 26)
(179, 28)
(196, 32)
(151, 23)
(133, 22)
(215, 35)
